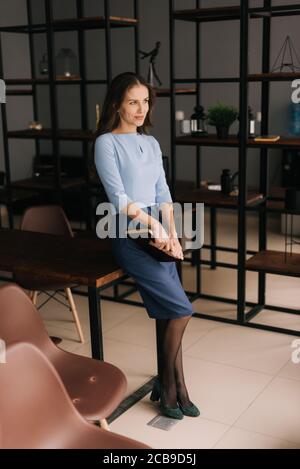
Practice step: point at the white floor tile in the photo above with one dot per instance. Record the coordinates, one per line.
(222, 392)
(276, 412)
(291, 369)
(198, 432)
(243, 347)
(278, 319)
(235, 438)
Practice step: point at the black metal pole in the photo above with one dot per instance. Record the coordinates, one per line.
(137, 36)
(107, 41)
(198, 148)
(53, 98)
(263, 183)
(172, 98)
(6, 150)
(33, 73)
(243, 136)
(196, 255)
(213, 234)
(95, 323)
(86, 193)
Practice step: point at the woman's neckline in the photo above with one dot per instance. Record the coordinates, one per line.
(126, 133)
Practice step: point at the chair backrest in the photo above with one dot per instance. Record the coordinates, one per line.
(46, 219)
(20, 320)
(36, 411)
(34, 406)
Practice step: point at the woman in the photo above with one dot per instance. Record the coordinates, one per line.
(129, 164)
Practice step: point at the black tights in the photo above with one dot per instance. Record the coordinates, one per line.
(170, 366)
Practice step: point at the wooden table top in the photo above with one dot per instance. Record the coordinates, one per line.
(86, 261)
(217, 198)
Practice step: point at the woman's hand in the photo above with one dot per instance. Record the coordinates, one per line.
(166, 243)
(176, 249)
(161, 238)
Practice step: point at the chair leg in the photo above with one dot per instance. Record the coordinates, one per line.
(104, 425)
(75, 314)
(33, 296)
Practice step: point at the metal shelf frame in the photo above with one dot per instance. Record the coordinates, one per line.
(50, 27)
(244, 14)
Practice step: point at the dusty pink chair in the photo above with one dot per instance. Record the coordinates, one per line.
(49, 219)
(95, 387)
(37, 413)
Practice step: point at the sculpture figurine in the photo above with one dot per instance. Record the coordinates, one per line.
(287, 58)
(152, 71)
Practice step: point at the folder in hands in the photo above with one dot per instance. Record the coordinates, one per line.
(145, 239)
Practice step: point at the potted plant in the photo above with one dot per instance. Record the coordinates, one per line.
(222, 116)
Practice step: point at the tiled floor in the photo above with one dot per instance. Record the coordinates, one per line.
(243, 379)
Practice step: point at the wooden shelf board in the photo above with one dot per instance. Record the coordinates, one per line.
(93, 22)
(23, 28)
(232, 141)
(167, 91)
(208, 14)
(210, 140)
(63, 134)
(19, 92)
(232, 13)
(275, 76)
(274, 262)
(89, 22)
(46, 81)
(278, 76)
(47, 183)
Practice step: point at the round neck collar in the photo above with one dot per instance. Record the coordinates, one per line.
(128, 133)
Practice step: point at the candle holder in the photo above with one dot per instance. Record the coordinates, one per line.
(66, 64)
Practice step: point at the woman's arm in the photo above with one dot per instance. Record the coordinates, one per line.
(162, 239)
(164, 199)
(105, 161)
(169, 222)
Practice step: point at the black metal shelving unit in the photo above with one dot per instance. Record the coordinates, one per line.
(263, 261)
(58, 185)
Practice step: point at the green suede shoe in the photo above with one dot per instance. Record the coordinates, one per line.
(172, 412)
(190, 411)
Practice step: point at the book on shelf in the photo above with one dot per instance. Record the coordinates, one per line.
(267, 138)
(145, 239)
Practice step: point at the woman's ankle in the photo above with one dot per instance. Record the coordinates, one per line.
(168, 396)
(183, 395)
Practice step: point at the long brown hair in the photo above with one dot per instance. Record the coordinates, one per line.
(115, 95)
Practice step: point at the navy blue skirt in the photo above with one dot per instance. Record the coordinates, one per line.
(158, 282)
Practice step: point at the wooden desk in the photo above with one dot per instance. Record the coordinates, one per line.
(58, 258)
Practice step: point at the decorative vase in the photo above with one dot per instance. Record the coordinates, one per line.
(294, 120)
(222, 132)
(43, 65)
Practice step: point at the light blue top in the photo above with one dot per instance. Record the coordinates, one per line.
(131, 170)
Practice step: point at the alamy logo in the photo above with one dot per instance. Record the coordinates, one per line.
(188, 219)
(2, 351)
(296, 353)
(296, 93)
(2, 91)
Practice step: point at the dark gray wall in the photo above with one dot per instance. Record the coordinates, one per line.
(219, 57)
